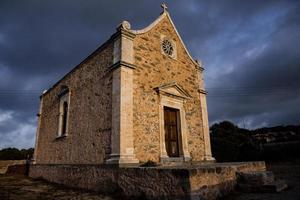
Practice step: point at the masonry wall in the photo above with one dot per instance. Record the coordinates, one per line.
(152, 70)
(189, 182)
(89, 123)
(4, 164)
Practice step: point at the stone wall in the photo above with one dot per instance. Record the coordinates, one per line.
(89, 124)
(218, 180)
(4, 164)
(152, 70)
(201, 181)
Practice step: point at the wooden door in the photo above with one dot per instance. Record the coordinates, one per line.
(171, 132)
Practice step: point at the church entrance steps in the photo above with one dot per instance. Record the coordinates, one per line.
(185, 181)
(261, 181)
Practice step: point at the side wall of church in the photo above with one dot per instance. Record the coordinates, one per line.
(152, 70)
(89, 123)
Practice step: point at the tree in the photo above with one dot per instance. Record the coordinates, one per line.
(15, 154)
(231, 143)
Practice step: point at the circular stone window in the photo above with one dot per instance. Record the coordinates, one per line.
(168, 47)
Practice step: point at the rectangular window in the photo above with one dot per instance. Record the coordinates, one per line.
(65, 117)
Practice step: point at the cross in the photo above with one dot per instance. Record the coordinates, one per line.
(164, 6)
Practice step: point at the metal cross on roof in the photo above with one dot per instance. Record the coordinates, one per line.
(164, 6)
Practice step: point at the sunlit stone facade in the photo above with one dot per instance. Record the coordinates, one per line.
(138, 97)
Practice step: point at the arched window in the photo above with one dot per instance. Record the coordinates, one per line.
(63, 111)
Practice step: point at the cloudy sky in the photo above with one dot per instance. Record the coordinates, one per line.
(249, 50)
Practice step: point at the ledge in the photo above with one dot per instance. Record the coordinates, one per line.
(120, 64)
(61, 137)
(124, 32)
(202, 91)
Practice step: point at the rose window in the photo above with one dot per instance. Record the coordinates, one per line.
(167, 47)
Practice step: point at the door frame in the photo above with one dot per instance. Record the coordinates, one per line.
(175, 103)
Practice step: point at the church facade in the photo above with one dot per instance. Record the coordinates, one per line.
(139, 97)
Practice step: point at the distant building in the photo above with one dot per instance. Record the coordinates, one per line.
(275, 137)
(140, 96)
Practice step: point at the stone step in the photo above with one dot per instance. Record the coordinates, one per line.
(259, 182)
(276, 186)
(256, 178)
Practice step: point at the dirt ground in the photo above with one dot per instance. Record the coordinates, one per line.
(21, 188)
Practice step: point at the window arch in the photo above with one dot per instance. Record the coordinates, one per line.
(63, 111)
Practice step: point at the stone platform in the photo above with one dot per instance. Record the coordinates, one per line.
(188, 181)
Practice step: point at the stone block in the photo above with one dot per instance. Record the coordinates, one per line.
(263, 181)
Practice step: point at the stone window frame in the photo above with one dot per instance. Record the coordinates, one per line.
(178, 104)
(162, 39)
(64, 97)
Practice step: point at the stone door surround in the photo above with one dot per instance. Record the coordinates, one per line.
(173, 96)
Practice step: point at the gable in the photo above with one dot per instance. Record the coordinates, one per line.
(153, 25)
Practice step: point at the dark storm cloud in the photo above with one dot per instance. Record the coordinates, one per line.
(250, 46)
(262, 87)
(40, 42)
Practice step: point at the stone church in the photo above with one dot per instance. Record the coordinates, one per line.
(139, 97)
